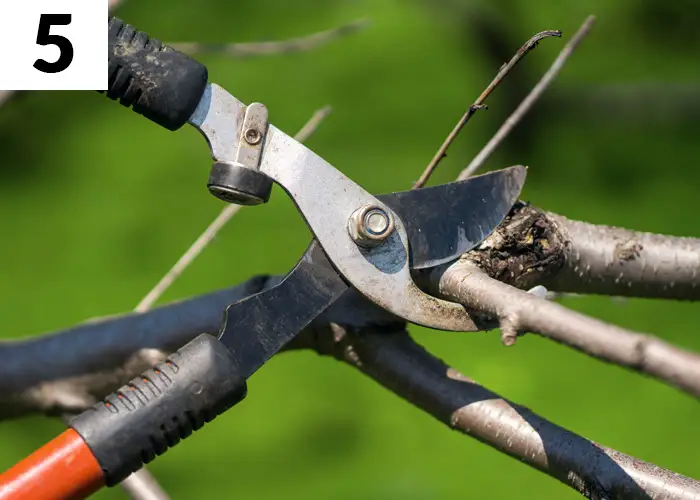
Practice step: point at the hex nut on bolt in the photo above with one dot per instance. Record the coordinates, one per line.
(370, 225)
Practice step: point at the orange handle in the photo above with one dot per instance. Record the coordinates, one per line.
(63, 469)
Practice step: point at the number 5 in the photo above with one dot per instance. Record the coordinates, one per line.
(45, 38)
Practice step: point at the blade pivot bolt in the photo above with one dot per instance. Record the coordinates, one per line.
(370, 225)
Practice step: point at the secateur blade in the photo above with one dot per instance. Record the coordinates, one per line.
(443, 222)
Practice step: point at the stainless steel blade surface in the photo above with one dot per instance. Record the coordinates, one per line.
(445, 221)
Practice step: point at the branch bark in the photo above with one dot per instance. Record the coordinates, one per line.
(535, 247)
(615, 261)
(518, 311)
(595, 471)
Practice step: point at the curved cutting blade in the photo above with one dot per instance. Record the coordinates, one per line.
(443, 222)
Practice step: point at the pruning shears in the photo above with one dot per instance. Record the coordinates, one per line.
(360, 241)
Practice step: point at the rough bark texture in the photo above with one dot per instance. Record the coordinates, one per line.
(527, 249)
(614, 261)
(534, 247)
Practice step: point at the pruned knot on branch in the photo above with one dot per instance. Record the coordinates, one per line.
(523, 251)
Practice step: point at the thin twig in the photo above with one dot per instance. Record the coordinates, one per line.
(312, 125)
(479, 103)
(213, 229)
(142, 485)
(188, 257)
(528, 102)
(300, 44)
(5, 95)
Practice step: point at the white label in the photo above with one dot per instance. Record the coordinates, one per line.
(53, 44)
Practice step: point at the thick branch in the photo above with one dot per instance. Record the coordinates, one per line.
(595, 471)
(534, 247)
(615, 261)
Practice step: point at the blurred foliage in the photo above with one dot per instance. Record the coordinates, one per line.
(96, 203)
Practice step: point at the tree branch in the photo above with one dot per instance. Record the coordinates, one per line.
(65, 371)
(534, 247)
(615, 261)
(518, 311)
(258, 49)
(597, 472)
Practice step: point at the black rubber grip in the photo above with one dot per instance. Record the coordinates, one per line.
(162, 84)
(152, 413)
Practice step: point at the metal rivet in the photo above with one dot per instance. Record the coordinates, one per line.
(370, 225)
(252, 136)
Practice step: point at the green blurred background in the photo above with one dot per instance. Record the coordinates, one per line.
(96, 203)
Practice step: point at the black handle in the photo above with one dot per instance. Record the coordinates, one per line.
(162, 84)
(166, 404)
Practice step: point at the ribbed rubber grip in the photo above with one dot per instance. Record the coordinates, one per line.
(152, 413)
(159, 82)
